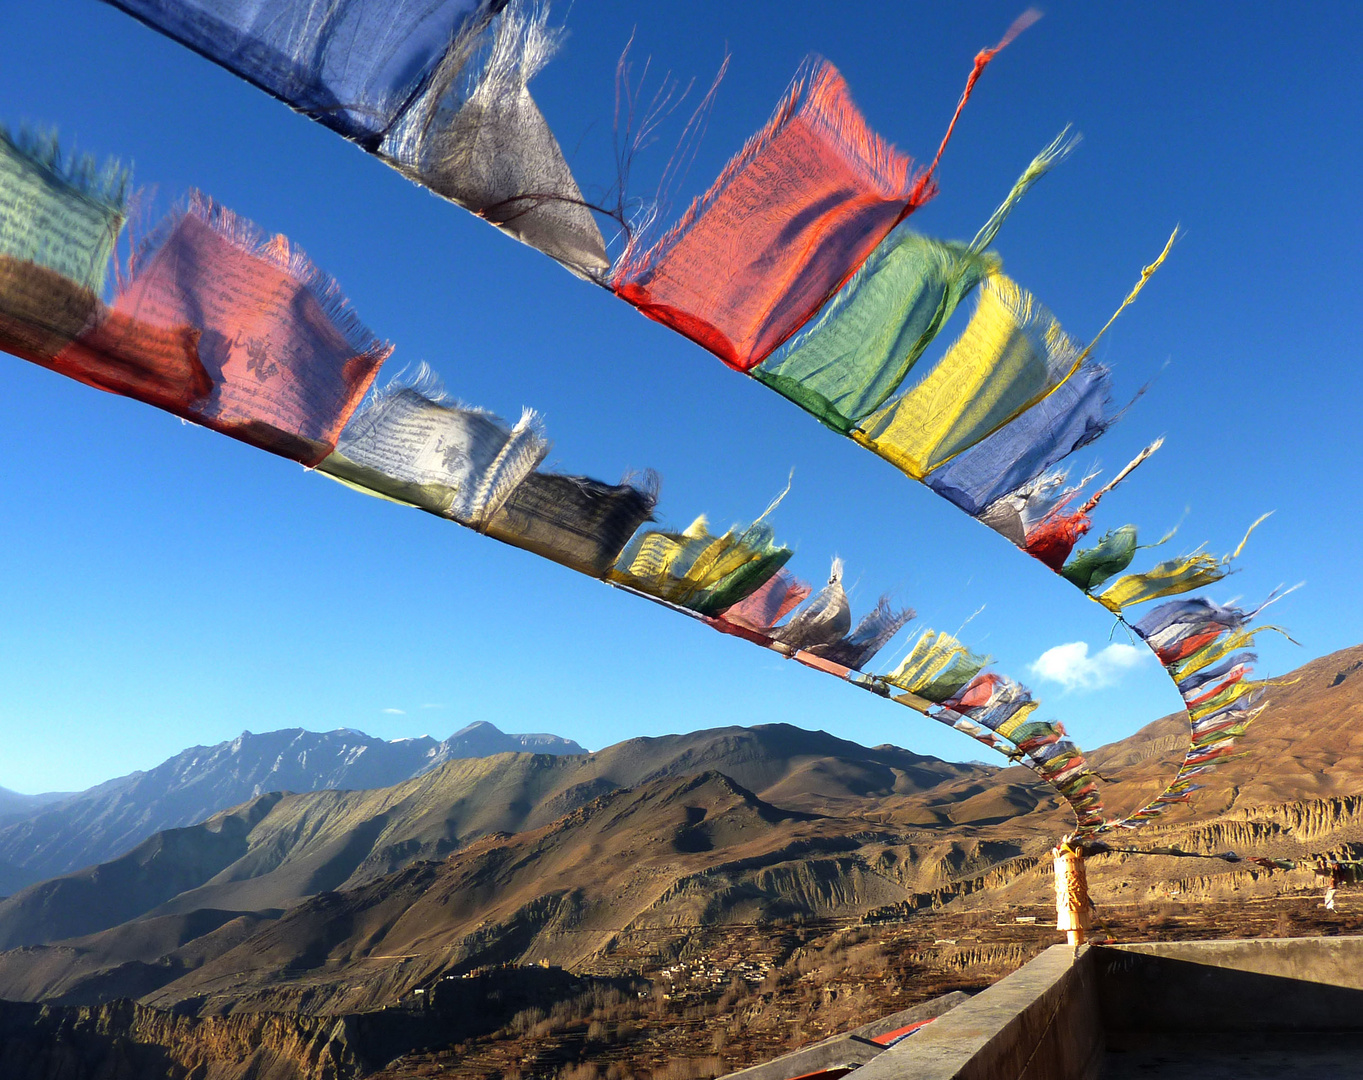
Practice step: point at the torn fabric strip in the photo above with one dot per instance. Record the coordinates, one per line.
(848, 360)
(451, 461)
(236, 332)
(58, 224)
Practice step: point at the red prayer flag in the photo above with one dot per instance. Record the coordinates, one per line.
(790, 219)
(795, 213)
(237, 333)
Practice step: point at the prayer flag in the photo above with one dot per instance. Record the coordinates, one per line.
(1065, 421)
(788, 220)
(1010, 356)
(58, 223)
(854, 354)
(573, 520)
(236, 332)
(455, 462)
(476, 137)
(353, 65)
(697, 570)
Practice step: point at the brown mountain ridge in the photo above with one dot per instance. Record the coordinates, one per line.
(338, 903)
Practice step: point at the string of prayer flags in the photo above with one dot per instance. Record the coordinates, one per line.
(410, 445)
(436, 88)
(1213, 652)
(994, 699)
(790, 218)
(848, 360)
(573, 520)
(697, 570)
(59, 220)
(944, 681)
(1203, 647)
(267, 351)
(1170, 578)
(476, 137)
(1180, 629)
(236, 332)
(821, 634)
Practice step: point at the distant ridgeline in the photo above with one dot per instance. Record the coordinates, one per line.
(796, 267)
(54, 835)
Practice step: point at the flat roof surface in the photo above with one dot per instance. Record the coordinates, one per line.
(1234, 1056)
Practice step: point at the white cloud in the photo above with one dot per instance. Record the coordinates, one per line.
(1072, 667)
(396, 712)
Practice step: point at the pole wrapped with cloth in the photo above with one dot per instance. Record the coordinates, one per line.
(1073, 908)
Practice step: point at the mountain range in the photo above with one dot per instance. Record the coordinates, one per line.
(44, 836)
(336, 902)
(277, 849)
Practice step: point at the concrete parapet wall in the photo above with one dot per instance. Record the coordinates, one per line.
(1040, 1023)
(1262, 985)
(1179, 1007)
(1334, 961)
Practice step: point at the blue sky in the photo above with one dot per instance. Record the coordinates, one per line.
(165, 586)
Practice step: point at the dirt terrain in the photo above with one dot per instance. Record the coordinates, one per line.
(750, 895)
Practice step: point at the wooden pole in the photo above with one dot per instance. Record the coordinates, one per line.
(1072, 907)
